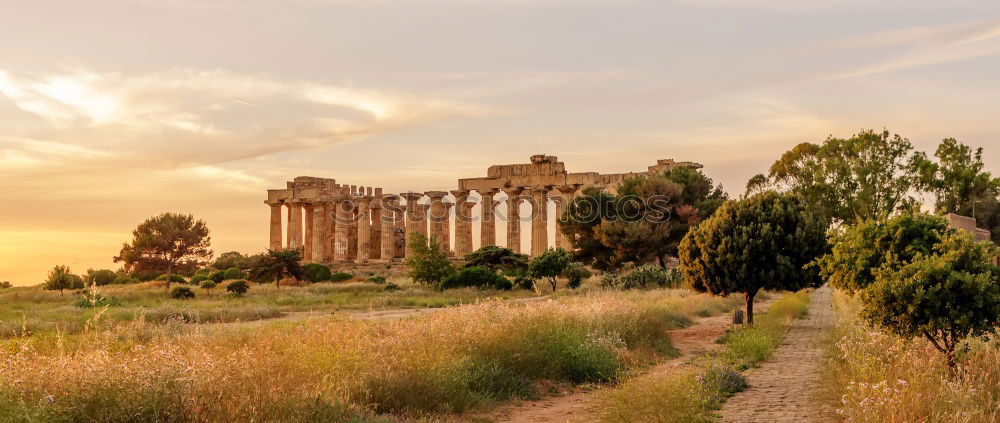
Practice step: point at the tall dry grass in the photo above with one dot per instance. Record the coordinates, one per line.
(691, 394)
(877, 377)
(339, 369)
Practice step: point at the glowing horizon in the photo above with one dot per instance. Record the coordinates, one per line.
(116, 110)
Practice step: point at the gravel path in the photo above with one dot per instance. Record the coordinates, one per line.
(786, 387)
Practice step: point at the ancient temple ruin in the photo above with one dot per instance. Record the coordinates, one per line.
(337, 223)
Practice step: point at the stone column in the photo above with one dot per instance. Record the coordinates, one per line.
(488, 231)
(424, 226)
(294, 225)
(387, 247)
(318, 232)
(344, 212)
(438, 216)
(274, 243)
(446, 228)
(463, 222)
(364, 228)
(307, 240)
(513, 218)
(414, 221)
(329, 229)
(539, 220)
(564, 196)
(399, 235)
(375, 243)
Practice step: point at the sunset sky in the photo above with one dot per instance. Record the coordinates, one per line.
(112, 111)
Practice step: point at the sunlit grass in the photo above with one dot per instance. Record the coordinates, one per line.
(328, 369)
(875, 376)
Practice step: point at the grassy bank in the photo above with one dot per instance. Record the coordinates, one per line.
(32, 310)
(879, 377)
(691, 394)
(337, 369)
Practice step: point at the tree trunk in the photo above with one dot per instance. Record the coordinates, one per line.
(170, 268)
(277, 282)
(663, 263)
(553, 282)
(749, 298)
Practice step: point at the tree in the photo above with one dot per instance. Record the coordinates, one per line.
(496, 259)
(428, 263)
(550, 265)
(6, 284)
(182, 293)
(960, 185)
(101, 277)
(860, 251)
(580, 221)
(946, 297)
(231, 259)
(207, 285)
(61, 278)
(761, 242)
(575, 273)
(162, 242)
(238, 288)
(277, 265)
(644, 222)
(867, 176)
(315, 272)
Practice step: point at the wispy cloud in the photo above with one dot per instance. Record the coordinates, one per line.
(190, 118)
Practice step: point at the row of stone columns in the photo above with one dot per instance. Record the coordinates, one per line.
(371, 227)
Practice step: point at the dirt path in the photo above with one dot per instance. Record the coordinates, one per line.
(786, 387)
(692, 341)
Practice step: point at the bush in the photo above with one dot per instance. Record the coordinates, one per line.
(182, 293)
(173, 278)
(102, 277)
(125, 280)
(576, 273)
(97, 301)
(496, 258)
(205, 271)
(197, 279)
(648, 276)
(6, 284)
(238, 288)
(392, 287)
(234, 273)
(229, 260)
(376, 279)
(478, 277)
(428, 263)
(341, 277)
(218, 276)
(315, 272)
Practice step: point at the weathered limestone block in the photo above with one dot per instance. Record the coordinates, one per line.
(344, 212)
(364, 228)
(438, 216)
(488, 230)
(294, 225)
(318, 232)
(463, 222)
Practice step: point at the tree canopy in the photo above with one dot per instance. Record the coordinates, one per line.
(61, 278)
(162, 242)
(866, 176)
(275, 265)
(550, 265)
(764, 241)
(960, 184)
(644, 222)
(427, 261)
(946, 296)
(860, 251)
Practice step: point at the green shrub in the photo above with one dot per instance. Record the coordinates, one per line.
(97, 301)
(476, 276)
(427, 261)
(724, 380)
(101, 277)
(173, 278)
(125, 280)
(379, 279)
(234, 273)
(182, 293)
(648, 276)
(238, 288)
(207, 284)
(497, 258)
(576, 273)
(205, 271)
(341, 277)
(6, 284)
(392, 287)
(218, 276)
(315, 272)
(197, 279)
